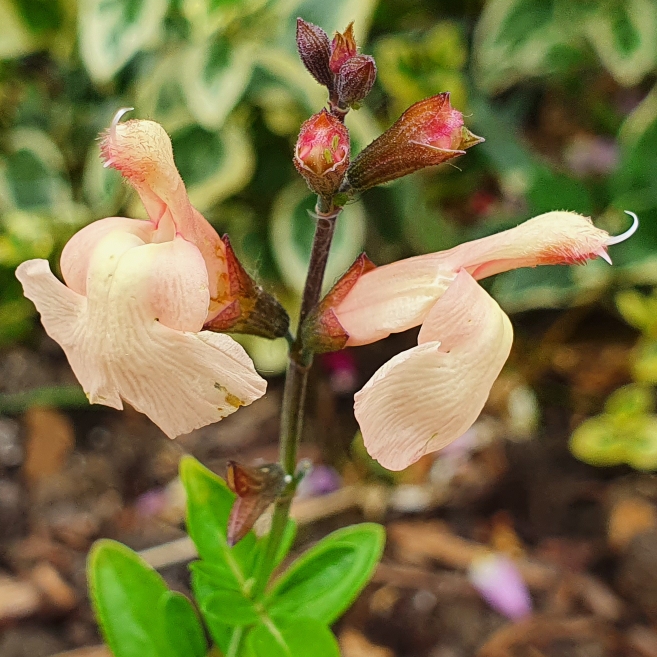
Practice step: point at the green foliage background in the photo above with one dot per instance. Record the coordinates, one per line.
(540, 79)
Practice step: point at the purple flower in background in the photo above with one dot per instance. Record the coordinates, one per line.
(321, 480)
(500, 583)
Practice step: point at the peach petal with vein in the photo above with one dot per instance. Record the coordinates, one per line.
(427, 396)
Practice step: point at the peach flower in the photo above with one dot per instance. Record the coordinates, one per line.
(138, 294)
(426, 397)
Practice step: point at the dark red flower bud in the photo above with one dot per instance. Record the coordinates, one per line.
(355, 80)
(427, 133)
(256, 489)
(315, 52)
(247, 307)
(343, 47)
(321, 155)
(322, 332)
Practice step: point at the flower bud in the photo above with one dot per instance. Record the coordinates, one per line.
(355, 80)
(322, 332)
(321, 155)
(315, 51)
(343, 47)
(427, 133)
(247, 308)
(256, 489)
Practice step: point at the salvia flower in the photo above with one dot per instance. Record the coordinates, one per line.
(321, 155)
(501, 584)
(427, 133)
(138, 294)
(426, 397)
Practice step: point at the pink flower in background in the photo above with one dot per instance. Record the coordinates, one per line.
(138, 293)
(500, 583)
(426, 397)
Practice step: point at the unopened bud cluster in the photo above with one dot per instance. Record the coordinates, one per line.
(336, 64)
(428, 133)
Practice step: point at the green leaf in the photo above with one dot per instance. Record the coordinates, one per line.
(210, 577)
(216, 76)
(182, 627)
(34, 173)
(230, 608)
(624, 34)
(111, 32)
(213, 165)
(326, 579)
(102, 186)
(297, 637)
(291, 233)
(516, 39)
(125, 592)
(40, 15)
(206, 580)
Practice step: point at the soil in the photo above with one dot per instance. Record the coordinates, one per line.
(584, 538)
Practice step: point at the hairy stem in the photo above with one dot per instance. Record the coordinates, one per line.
(294, 394)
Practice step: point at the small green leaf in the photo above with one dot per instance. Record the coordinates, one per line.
(211, 577)
(182, 627)
(40, 15)
(325, 580)
(230, 608)
(644, 362)
(298, 637)
(16, 40)
(111, 32)
(34, 172)
(125, 592)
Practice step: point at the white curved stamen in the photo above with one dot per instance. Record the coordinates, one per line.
(117, 117)
(627, 234)
(112, 131)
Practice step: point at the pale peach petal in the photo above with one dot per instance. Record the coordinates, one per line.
(119, 347)
(63, 313)
(553, 238)
(181, 380)
(141, 151)
(396, 297)
(391, 299)
(184, 381)
(74, 261)
(173, 288)
(426, 397)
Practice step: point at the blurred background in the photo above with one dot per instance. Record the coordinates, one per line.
(557, 470)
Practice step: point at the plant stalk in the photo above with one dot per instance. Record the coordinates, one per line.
(294, 394)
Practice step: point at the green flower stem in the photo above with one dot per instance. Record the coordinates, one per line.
(294, 395)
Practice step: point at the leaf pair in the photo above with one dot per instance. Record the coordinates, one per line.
(141, 618)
